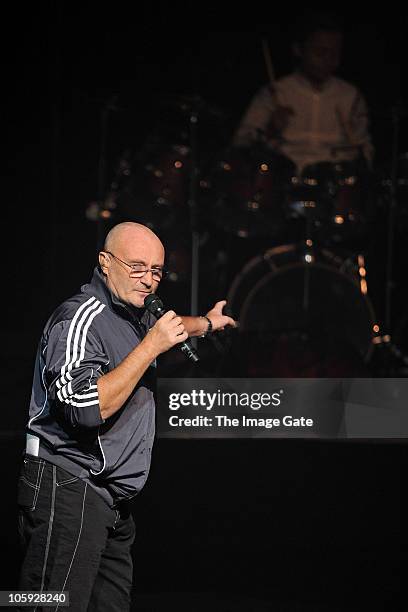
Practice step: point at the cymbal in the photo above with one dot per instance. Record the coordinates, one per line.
(192, 104)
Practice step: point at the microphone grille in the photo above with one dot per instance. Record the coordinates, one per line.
(153, 303)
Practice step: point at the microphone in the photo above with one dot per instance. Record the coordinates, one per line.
(154, 305)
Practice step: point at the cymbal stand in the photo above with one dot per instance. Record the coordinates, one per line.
(194, 217)
(384, 340)
(391, 218)
(308, 255)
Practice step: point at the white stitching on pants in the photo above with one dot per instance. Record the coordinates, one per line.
(67, 481)
(39, 479)
(76, 545)
(51, 521)
(28, 483)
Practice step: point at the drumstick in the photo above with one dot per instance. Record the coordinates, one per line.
(269, 65)
(272, 87)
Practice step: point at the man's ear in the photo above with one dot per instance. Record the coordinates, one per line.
(104, 262)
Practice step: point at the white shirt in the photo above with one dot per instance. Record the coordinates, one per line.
(316, 131)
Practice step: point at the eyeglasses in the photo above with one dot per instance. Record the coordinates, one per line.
(138, 270)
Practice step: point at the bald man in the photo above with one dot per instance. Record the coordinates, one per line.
(91, 424)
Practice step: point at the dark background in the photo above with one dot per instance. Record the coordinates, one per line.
(303, 525)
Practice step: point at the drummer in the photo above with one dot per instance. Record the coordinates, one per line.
(310, 115)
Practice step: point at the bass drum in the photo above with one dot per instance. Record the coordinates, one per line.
(302, 314)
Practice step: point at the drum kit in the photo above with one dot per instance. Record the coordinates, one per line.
(287, 250)
(302, 301)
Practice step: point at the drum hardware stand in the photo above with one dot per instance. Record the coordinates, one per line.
(384, 340)
(308, 254)
(389, 351)
(194, 223)
(391, 215)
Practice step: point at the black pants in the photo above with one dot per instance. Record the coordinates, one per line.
(72, 540)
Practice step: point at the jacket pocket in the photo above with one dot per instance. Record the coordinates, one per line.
(29, 483)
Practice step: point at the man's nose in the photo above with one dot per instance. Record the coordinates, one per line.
(147, 278)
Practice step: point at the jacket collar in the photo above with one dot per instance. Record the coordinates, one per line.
(99, 288)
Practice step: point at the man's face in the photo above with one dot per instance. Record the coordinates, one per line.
(320, 55)
(147, 252)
